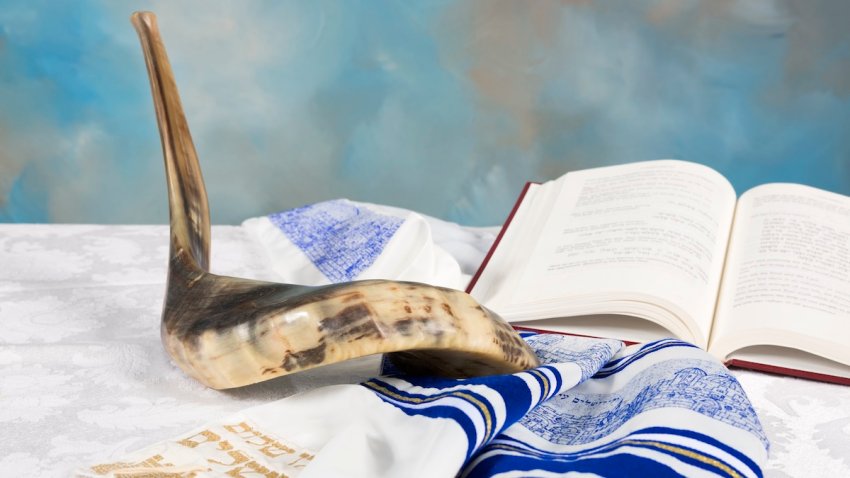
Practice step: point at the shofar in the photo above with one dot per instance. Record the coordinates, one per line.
(228, 332)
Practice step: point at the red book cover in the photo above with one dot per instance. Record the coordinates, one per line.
(761, 367)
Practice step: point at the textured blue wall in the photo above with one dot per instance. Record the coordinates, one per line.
(443, 107)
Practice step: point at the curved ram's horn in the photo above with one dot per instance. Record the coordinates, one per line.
(227, 332)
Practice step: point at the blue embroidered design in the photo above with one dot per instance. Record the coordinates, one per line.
(339, 237)
(588, 354)
(621, 363)
(702, 386)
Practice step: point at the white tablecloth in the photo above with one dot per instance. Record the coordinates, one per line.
(84, 379)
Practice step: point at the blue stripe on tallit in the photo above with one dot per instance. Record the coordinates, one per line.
(511, 389)
(435, 405)
(508, 454)
(620, 465)
(711, 441)
(340, 238)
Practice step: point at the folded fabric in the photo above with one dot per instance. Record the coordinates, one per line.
(341, 240)
(595, 408)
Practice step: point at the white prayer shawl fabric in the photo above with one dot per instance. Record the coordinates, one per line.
(595, 408)
(342, 240)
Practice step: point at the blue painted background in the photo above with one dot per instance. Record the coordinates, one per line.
(443, 107)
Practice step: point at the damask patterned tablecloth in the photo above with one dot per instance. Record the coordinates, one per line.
(84, 379)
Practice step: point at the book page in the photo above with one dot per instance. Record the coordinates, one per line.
(788, 273)
(495, 282)
(621, 327)
(654, 229)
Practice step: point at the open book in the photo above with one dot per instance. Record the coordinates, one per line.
(652, 249)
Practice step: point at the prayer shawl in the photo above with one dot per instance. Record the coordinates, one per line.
(594, 408)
